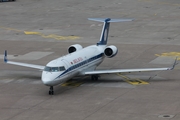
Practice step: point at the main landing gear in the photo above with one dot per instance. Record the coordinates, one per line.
(94, 77)
(51, 91)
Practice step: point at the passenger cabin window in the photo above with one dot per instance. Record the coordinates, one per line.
(54, 69)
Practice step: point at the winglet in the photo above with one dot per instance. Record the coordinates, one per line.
(5, 56)
(175, 63)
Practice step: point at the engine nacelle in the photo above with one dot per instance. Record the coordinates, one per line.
(110, 51)
(74, 48)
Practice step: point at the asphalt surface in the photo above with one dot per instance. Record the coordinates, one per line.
(37, 31)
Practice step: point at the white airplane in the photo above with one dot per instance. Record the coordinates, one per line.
(82, 61)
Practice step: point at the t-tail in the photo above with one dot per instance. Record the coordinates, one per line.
(105, 29)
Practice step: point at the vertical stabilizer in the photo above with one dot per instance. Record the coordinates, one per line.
(105, 30)
(5, 56)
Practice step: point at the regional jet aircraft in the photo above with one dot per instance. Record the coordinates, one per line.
(82, 61)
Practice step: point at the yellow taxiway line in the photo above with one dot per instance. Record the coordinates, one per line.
(53, 36)
(133, 81)
(170, 54)
(57, 37)
(72, 83)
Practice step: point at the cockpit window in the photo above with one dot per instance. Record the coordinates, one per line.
(54, 69)
(62, 68)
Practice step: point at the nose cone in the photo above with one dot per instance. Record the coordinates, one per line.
(49, 78)
(47, 81)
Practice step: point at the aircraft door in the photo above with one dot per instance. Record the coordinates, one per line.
(67, 65)
(86, 60)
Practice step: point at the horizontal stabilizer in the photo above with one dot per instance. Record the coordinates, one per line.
(109, 20)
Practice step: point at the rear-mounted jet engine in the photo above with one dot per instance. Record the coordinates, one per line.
(74, 48)
(110, 51)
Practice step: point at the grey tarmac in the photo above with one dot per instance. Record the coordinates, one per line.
(44, 29)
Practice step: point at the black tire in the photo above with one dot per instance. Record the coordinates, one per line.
(94, 77)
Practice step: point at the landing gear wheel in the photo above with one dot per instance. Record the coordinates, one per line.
(94, 77)
(51, 91)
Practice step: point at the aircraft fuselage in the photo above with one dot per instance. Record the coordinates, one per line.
(75, 64)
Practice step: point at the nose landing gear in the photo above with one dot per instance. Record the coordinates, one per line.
(94, 77)
(51, 91)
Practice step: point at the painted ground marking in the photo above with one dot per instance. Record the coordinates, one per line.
(53, 36)
(135, 81)
(170, 54)
(72, 83)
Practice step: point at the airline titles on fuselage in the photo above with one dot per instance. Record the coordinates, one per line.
(77, 60)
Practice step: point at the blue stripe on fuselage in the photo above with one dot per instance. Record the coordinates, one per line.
(81, 64)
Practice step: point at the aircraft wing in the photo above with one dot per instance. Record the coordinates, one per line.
(22, 64)
(124, 70)
(129, 70)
